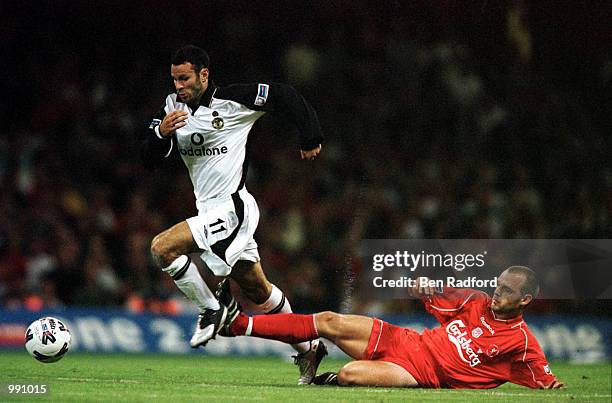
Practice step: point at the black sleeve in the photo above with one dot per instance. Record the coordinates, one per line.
(153, 149)
(282, 100)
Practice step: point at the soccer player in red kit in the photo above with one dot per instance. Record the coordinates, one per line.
(482, 342)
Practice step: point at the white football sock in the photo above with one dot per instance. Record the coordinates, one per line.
(187, 278)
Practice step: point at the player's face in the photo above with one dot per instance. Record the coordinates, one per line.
(189, 84)
(508, 297)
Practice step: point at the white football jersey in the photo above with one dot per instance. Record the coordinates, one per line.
(213, 143)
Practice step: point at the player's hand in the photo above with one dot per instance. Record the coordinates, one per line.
(310, 154)
(556, 384)
(419, 291)
(172, 121)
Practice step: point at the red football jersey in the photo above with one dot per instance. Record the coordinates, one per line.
(473, 349)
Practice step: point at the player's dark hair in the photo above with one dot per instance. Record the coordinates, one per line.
(531, 285)
(191, 54)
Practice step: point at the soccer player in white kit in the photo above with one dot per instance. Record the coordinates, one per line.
(209, 126)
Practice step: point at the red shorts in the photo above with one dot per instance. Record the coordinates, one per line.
(403, 347)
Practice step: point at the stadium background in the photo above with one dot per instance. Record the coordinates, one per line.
(446, 120)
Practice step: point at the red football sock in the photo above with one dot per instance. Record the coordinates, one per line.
(286, 327)
(240, 324)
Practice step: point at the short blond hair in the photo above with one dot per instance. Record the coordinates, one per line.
(531, 285)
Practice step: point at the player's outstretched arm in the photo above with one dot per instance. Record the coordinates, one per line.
(530, 368)
(284, 101)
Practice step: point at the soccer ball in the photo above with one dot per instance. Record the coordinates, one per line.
(47, 339)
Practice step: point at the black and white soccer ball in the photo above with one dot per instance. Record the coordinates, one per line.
(47, 339)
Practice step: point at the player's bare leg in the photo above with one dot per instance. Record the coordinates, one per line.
(168, 245)
(375, 373)
(259, 296)
(254, 284)
(351, 333)
(170, 250)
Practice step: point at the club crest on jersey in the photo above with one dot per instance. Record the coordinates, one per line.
(476, 332)
(217, 121)
(492, 350)
(547, 370)
(262, 94)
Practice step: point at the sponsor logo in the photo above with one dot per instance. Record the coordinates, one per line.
(457, 335)
(484, 322)
(477, 332)
(262, 94)
(203, 151)
(154, 123)
(492, 350)
(197, 139)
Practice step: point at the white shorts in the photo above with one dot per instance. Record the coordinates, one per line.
(224, 230)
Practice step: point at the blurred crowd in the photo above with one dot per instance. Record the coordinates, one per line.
(440, 123)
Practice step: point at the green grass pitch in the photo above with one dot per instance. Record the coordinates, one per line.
(133, 378)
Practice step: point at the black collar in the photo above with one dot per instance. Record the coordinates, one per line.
(208, 94)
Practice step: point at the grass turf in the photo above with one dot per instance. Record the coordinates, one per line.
(132, 378)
